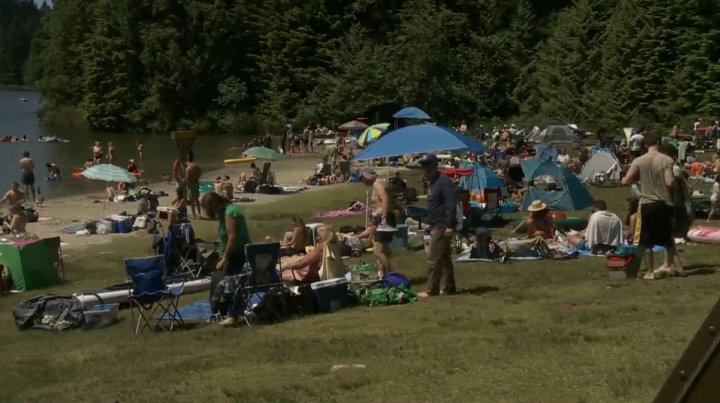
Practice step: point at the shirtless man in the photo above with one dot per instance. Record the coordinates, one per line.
(14, 196)
(192, 181)
(384, 220)
(27, 165)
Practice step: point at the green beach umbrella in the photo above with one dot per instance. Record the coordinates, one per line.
(262, 153)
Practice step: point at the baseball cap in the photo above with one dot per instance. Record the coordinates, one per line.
(428, 159)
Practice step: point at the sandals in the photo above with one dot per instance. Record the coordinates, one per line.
(649, 276)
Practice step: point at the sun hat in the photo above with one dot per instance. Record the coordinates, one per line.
(132, 161)
(537, 205)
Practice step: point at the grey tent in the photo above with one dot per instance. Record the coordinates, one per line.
(552, 121)
(554, 134)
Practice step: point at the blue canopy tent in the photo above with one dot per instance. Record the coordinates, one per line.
(482, 178)
(419, 139)
(411, 112)
(568, 193)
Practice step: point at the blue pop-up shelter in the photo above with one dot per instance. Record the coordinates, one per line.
(419, 139)
(569, 194)
(482, 178)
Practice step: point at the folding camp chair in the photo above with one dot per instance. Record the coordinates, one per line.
(180, 248)
(345, 170)
(492, 202)
(150, 295)
(263, 261)
(55, 249)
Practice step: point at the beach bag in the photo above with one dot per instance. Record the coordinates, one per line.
(397, 280)
(49, 312)
(623, 258)
(381, 294)
(274, 306)
(355, 245)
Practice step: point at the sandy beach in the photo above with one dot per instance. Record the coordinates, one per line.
(62, 212)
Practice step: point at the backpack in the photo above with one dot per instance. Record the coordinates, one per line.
(49, 312)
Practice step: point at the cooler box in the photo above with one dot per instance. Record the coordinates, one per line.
(108, 224)
(331, 295)
(123, 226)
(101, 315)
(624, 263)
(400, 238)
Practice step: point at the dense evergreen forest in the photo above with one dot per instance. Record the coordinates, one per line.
(241, 65)
(19, 23)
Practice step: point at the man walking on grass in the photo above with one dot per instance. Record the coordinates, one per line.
(383, 220)
(653, 172)
(442, 219)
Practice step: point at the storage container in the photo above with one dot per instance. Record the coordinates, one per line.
(107, 224)
(400, 238)
(101, 315)
(331, 295)
(123, 226)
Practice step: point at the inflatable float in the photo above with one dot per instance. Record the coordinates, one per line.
(709, 235)
(239, 161)
(52, 140)
(118, 296)
(565, 224)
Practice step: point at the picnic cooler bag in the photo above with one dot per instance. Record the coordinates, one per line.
(623, 263)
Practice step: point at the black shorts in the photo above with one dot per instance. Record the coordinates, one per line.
(385, 236)
(656, 225)
(28, 178)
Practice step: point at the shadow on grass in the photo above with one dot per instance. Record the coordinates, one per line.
(700, 271)
(477, 291)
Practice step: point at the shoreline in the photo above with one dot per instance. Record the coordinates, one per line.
(64, 211)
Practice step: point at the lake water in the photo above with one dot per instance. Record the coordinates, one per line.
(18, 118)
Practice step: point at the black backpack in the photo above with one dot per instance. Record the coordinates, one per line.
(49, 312)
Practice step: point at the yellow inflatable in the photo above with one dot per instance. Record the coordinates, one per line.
(238, 161)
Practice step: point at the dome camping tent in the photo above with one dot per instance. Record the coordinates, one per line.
(554, 134)
(603, 164)
(563, 190)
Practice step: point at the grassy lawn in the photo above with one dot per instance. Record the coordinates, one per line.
(542, 331)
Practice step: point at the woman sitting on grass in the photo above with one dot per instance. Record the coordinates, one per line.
(540, 222)
(322, 263)
(295, 240)
(17, 221)
(180, 203)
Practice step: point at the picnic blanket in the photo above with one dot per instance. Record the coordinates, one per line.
(357, 208)
(198, 311)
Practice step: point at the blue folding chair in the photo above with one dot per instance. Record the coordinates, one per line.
(263, 274)
(150, 295)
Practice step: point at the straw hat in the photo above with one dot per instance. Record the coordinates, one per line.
(536, 205)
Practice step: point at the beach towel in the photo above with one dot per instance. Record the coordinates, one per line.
(332, 265)
(604, 228)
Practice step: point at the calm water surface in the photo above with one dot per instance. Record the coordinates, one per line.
(18, 118)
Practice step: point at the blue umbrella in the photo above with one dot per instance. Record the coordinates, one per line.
(411, 112)
(419, 139)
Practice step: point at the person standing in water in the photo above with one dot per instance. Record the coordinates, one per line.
(192, 181)
(27, 165)
(97, 153)
(111, 153)
(140, 152)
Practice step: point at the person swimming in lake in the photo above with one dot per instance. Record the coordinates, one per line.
(53, 172)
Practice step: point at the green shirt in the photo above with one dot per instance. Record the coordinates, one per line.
(242, 236)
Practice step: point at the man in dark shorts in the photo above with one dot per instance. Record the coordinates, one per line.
(442, 219)
(383, 219)
(27, 165)
(653, 172)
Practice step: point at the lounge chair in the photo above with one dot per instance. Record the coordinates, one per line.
(345, 170)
